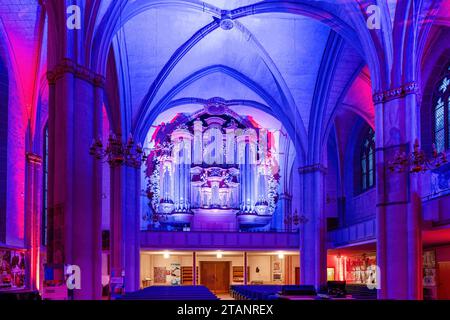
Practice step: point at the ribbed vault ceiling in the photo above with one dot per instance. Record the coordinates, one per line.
(280, 53)
(276, 59)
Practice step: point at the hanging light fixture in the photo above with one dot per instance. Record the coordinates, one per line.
(417, 161)
(299, 219)
(117, 152)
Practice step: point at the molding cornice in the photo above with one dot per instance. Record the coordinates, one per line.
(69, 66)
(396, 93)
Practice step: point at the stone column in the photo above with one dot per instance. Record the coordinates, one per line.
(116, 258)
(131, 228)
(125, 228)
(74, 177)
(399, 244)
(312, 233)
(98, 84)
(33, 218)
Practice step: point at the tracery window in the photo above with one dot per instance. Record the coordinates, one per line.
(441, 118)
(367, 160)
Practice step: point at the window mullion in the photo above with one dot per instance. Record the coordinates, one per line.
(368, 169)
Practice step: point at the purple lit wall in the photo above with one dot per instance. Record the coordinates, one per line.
(311, 70)
(4, 82)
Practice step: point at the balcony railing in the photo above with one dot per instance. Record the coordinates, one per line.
(219, 240)
(152, 228)
(358, 232)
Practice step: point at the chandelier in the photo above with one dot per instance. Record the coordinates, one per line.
(296, 219)
(299, 220)
(117, 152)
(417, 161)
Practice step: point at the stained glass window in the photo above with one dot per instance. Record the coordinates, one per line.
(441, 127)
(368, 160)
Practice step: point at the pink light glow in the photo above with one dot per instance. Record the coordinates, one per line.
(23, 65)
(360, 94)
(155, 134)
(253, 122)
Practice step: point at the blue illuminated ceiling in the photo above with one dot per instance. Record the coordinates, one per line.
(176, 51)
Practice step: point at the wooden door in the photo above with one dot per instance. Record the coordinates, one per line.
(444, 281)
(215, 275)
(207, 273)
(297, 275)
(222, 278)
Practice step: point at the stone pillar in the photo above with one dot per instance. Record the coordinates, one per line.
(131, 232)
(125, 228)
(98, 190)
(33, 218)
(74, 177)
(399, 244)
(116, 258)
(312, 233)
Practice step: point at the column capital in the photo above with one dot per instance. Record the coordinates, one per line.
(312, 168)
(69, 66)
(33, 158)
(396, 93)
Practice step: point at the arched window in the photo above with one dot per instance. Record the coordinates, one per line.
(45, 188)
(442, 113)
(368, 160)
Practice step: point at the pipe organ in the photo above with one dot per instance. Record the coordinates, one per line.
(211, 171)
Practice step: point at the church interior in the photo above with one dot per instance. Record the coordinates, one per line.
(217, 149)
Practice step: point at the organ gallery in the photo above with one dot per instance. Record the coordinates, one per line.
(213, 168)
(219, 149)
